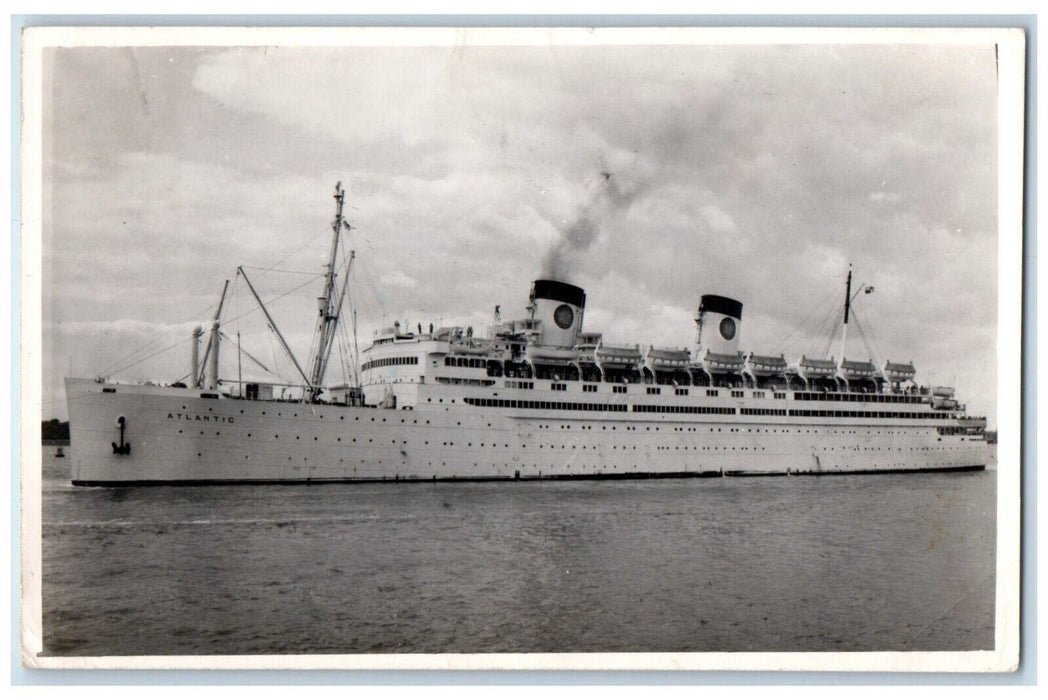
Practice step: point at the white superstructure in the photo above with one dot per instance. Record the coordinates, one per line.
(540, 398)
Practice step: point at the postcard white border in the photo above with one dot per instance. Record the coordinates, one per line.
(1011, 66)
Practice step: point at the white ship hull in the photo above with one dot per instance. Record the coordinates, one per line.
(178, 436)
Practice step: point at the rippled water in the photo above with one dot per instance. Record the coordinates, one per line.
(886, 562)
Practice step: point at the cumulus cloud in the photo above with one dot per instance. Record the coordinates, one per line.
(758, 172)
(396, 278)
(717, 219)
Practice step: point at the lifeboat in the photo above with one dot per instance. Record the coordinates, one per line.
(716, 363)
(469, 347)
(896, 372)
(765, 365)
(540, 353)
(857, 369)
(447, 333)
(942, 391)
(810, 367)
(666, 359)
(941, 403)
(618, 355)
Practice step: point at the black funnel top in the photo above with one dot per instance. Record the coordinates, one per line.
(721, 305)
(558, 291)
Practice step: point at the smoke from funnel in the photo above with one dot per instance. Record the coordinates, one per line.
(609, 197)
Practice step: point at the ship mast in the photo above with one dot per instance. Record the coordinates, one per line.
(847, 309)
(330, 305)
(212, 348)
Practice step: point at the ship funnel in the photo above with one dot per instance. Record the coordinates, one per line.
(559, 307)
(719, 322)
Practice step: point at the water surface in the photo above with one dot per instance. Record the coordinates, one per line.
(835, 563)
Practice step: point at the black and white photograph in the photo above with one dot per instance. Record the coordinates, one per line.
(521, 348)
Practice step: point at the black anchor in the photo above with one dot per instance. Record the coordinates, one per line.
(124, 448)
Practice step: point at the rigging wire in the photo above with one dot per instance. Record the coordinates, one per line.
(348, 358)
(294, 249)
(342, 335)
(374, 290)
(221, 324)
(865, 341)
(831, 336)
(784, 343)
(314, 346)
(118, 367)
(276, 359)
(236, 297)
(151, 355)
(158, 339)
(125, 362)
(820, 333)
(353, 350)
(858, 329)
(274, 269)
(873, 333)
(341, 346)
(274, 299)
(246, 353)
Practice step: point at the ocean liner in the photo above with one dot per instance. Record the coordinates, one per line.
(540, 398)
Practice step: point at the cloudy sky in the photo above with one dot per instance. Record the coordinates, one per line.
(756, 172)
